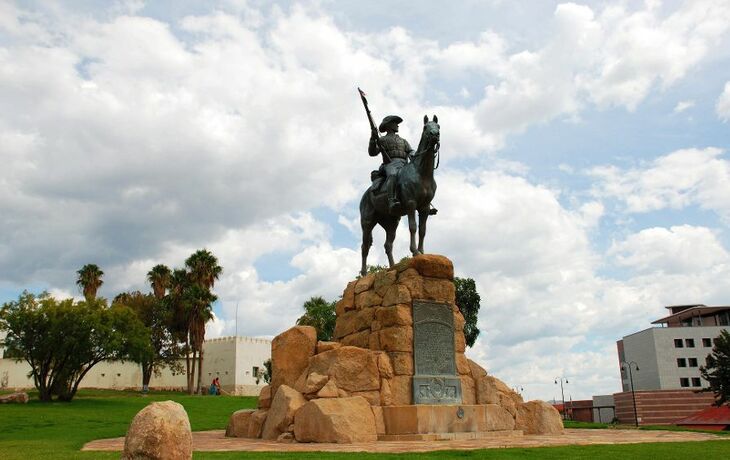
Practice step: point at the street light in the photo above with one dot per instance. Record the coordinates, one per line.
(631, 379)
(562, 393)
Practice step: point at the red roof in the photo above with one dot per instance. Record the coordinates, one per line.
(713, 415)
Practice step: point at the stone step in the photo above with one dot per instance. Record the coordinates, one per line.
(429, 419)
(462, 436)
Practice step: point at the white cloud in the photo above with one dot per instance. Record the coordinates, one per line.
(683, 105)
(722, 108)
(677, 180)
(681, 249)
(142, 140)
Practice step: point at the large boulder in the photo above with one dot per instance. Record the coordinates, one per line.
(264, 401)
(159, 431)
(498, 418)
(17, 398)
(256, 423)
(238, 423)
(538, 417)
(340, 420)
(290, 353)
(285, 404)
(434, 266)
(491, 390)
(351, 368)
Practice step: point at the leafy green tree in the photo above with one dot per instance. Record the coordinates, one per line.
(267, 372)
(159, 278)
(319, 314)
(165, 349)
(89, 280)
(468, 301)
(63, 340)
(717, 370)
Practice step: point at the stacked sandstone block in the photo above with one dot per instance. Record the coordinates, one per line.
(337, 391)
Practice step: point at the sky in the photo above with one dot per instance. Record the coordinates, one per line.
(583, 183)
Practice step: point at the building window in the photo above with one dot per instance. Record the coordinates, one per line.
(690, 343)
(681, 362)
(696, 382)
(692, 362)
(684, 382)
(707, 343)
(723, 319)
(678, 343)
(255, 371)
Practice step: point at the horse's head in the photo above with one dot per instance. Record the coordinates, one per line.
(431, 132)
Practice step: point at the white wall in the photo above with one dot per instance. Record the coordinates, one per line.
(231, 359)
(654, 351)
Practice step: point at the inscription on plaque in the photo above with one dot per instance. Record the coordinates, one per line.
(435, 381)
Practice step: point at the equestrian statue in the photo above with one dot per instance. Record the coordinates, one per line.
(401, 186)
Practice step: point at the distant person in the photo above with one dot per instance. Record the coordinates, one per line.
(215, 387)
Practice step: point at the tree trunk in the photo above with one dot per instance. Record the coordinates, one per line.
(146, 376)
(200, 369)
(191, 377)
(187, 362)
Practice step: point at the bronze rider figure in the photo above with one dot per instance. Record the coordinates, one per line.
(396, 152)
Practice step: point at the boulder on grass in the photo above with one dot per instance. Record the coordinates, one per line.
(340, 420)
(285, 404)
(159, 431)
(538, 417)
(18, 398)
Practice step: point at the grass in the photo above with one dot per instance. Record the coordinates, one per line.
(58, 430)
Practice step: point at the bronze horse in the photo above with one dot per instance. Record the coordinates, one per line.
(416, 188)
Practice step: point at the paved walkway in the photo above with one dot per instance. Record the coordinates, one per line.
(216, 441)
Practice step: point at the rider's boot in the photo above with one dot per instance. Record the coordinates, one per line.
(393, 203)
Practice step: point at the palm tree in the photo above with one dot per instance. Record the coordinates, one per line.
(203, 268)
(89, 280)
(159, 278)
(200, 311)
(179, 322)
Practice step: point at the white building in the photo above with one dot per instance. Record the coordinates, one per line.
(669, 357)
(234, 360)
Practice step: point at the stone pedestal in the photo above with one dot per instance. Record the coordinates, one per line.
(395, 368)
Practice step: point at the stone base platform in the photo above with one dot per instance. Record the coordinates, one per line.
(442, 420)
(464, 436)
(215, 441)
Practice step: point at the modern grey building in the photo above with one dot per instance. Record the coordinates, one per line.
(669, 356)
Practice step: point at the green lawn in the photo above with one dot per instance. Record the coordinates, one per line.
(58, 430)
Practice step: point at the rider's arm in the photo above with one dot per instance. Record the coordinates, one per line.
(373, 149)
(409, 149)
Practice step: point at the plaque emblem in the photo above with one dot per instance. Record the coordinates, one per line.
(435, 380)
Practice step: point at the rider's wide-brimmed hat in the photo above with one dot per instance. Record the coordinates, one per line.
(388, 120)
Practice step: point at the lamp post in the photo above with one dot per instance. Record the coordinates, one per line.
(562, 392)
(631, 379)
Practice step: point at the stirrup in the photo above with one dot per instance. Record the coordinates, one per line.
(432, 211)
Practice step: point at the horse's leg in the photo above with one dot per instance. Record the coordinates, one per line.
(412, 229)
(367, 241)
(422, 218)
(390, 230)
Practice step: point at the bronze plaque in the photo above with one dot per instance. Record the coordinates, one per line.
(435, 380)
